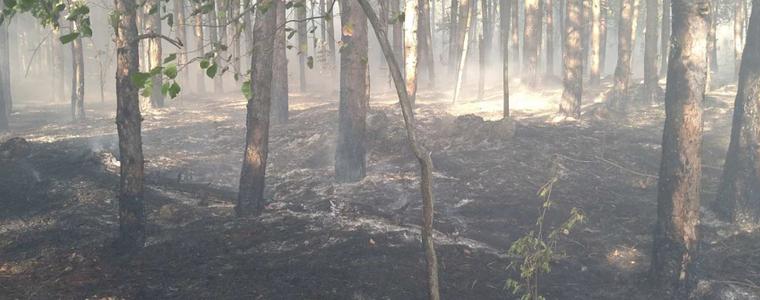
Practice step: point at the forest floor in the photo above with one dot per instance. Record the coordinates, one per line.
(319, 239)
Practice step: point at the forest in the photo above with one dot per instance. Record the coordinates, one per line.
(380, 149)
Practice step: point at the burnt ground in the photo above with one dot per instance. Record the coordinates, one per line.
(322, 240)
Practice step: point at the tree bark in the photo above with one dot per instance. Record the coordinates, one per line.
(200, 47)
(425, 34)
(181, 29)
(411, 53)
(596, 43)
(505, 11)
(453, 36)
(651, 75)
(280, 82)
(77, 78)
(739, 24)
(303, 46)
(463, 56)
(213, 32)
(128, 119)
(331, 35)
(572, 81)
(485, 45)
(350, 155)
(531, 33)
(621, 81)
(603, 44)
(739, 191)
(234, 37)
(153, 25)
(678, 197)
(422, 155)
(665, 37)
(253, 172)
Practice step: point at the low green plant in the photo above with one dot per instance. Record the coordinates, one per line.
(538, 248)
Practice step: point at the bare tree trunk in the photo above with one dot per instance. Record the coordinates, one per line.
(280, 82)
(665, 37)
(678, 197)
(739, 24)
(77, 78)
(572, 81)
(712, 47)
(253, 172)
(153, 25)
(4, 113)
(128, 119)
(463, 56)
(422, 154)
(350, 155)
(549, 38)
(531, 40)
(621, 82)
(426, 39)
(234, 37)
(603, 44)
(181, 28)
(57, 78)
(453, 36)
(213, 32)
(303, 46)
(411, 53)
(485, 45)
(515, 31)
(505, 14)
(739, 192)
(200, 48)
(248, 26)
(651, 75)
(331, 35)
(596, 43)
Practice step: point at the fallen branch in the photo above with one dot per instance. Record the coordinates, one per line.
(153, 35)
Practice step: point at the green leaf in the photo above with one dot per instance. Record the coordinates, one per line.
(170, 58)
(211, 71)
(165, 88)
(147, 91)
(139, 79)
(65, 39)
(246, 89)
(204, 64)
(174, 90)
(171, 71)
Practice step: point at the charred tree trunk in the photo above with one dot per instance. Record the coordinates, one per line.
(678, 197)
(350, 155)
(411, 54)
(505, 10)
(303, 45)
(549, 38)
(739, 192)
(253, 172)
(77, 77)
(153, 25)
(531, 33)
(621, 81)
(665, 37)
(572, 81)
(651, 75)
(739, 24)
(128, 120)
(200, 48)
(280, 76)
(596, 43)
(422, 154)
(181, 28)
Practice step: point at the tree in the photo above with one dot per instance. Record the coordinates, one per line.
(739, 191)
(331, 33)
(77, 78)
(665, 37)
(128, 125)
(532, 30)
(350, 155)
(651, 75)
(153, 26)
(514, 31)
(251, 192)
(215, 44)
(57, 78)
(678, 196)
(422, 155)
(572, 80)
(425, 36)
(199, 45)
(596, 43)
(234, 35)
(485, 46)
(280, 67)
(453, 35)
(621, 81)
(505, 11)
(179, 15)
(303, 44)
(411, 53)
(4, 100)
(465, 48)
(549, 37)
(739, 23)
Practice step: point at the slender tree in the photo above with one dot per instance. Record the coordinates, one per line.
(213, 32)
(331, 34)
(665, 37)
(200, 46)
(350, 155)
(570, 105)
(303, 44)
(77, 78)
(128, 125)
(465, 49)
(532, 30)
(515, 31)
(425, 38)
(621, 81)
(505, 14)
(739, 191)
(485, 45)
(678, 197)
(549, 22)
(280, 76)
(651, 75)
(453, 35)
(57, 77)
(740, 13)
(596, 43)
(181, 30)
(3, 53)
(251, 192)
(233, 33)
(411, 53)
(153, 26)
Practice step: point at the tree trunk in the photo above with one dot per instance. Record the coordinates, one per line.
(213, 32)
(411, 54)
(280, 82)
(252, 174)
(128, 119)
(651, 75)
(350, 155)
(531, 33)
(248, 27)
(425, 37)
(303, 46)
(200, 48)
(181, 28)
(153, 25)
(572, 81)
(515, 31)
(4, 113)
(621, 81)
(485, 45)
(57, 77)
(665, 37)
(505, 10)
(739, 24)
(603, 44)
(453, 36)
(712, 48)
(463, 56)
(422, 154)
(331, 35)
(596, 43)
(739, 192)
(77, 77)
(234, 37)
(549, 38)
(678, 197)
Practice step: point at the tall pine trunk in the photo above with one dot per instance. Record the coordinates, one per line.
(463, 56)
(213, 31)
(200, 48)
(549, 5)
(453, 35)
(77, 77)
(621, 81)
(280, 76)
(572, 81)
(651, 75)
(739, 192)
(331, 35)
(505, 11)
(425, 34)
(665, 37)
(234, 36)
(515, 31)
(57, 77)
(485, 46)
(739, 23)
(596, 43)
(128, 120)
(253, 172)
(153, 25)
(350, 155)
(181, 29)
(303, 45)
(675, 237)
(411, 53)
(531, 33)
